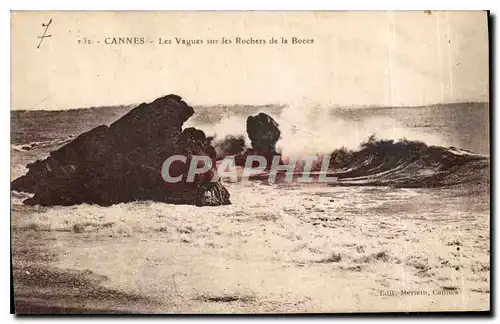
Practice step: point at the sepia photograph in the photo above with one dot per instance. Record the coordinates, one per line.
(250, 162)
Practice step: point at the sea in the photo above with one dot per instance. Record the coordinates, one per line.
(412, 211)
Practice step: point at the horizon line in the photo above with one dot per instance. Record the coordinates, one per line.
(333, 106)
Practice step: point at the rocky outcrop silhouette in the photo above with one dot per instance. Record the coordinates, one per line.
(122, 162)
(263, 131)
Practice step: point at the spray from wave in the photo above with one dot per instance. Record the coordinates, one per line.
(371, 151)
(309, 128)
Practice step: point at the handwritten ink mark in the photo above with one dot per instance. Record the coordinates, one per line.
(44, 33)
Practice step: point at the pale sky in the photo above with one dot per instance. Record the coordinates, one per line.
(358, 58)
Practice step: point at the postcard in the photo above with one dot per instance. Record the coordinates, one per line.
(250, 162)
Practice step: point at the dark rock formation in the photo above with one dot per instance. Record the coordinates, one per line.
(263, 131)
(122, 162)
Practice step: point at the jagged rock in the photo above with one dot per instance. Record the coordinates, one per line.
(122, 162)
(263, 131)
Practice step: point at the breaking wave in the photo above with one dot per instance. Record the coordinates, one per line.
(381, 162)
(50, 144)
(408, 164)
